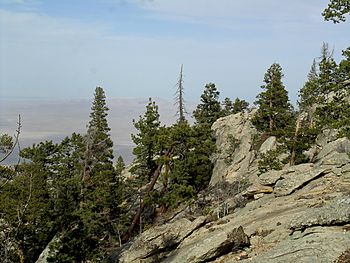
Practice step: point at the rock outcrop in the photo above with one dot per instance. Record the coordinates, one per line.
(232, 163)
(155, 241)
(298, 214)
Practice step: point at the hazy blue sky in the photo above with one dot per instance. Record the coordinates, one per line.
(133, 48)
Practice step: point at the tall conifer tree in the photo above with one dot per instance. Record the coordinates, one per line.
(100, 191)
(274, 111)
(148, 127)
(209, 110)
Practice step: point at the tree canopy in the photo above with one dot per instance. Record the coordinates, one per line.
(336, 11)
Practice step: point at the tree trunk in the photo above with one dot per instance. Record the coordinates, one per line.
(137, 216)
(21, 255)
(295, 138)
(270, 117)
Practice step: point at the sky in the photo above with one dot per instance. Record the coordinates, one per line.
(52, 49)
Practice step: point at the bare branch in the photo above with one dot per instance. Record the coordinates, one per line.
(16, 136)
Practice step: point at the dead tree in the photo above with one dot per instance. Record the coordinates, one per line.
(179, 98)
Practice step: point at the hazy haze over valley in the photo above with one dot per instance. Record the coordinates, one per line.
(55, 119)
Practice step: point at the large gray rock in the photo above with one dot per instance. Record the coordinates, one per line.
(257, 189)
(268, 145)
(335, 159)
(326, 136)
(294, 181)
(341, 145)
(209, 247)
(159, 238)
(233, 165)
(271, 177)
(315, 245)
(335, 213)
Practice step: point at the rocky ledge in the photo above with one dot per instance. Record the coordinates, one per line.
(298, 214)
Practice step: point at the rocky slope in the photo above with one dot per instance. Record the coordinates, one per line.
(298, 214)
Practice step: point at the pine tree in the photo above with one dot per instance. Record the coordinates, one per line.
(209, 110)
(66, 180)
(92, 231)
(227, 107)
(120, 166)
(234, 107)
(336, 11)
(146, 141)
(334, 112)
(327, 77)
(239, 106)
(26, 206)
(198, 160)
(310, 92)
(274, 111)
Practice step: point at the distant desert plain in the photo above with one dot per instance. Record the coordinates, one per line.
(49, 119)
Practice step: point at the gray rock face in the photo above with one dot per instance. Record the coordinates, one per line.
(327, 135)
(341, 145)
(257, 189)
(268, 145)
(271, 177)
(232, 165)
(159, 238)
(209, 248)
(293, 181)
(335, 213)
(315, 245)
(298, 214)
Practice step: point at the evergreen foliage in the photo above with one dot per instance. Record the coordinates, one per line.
(237, 106)
(146, 141)
(336, 11)
(275, 111)
(209, 110)
(6, 143)
(269, 161)
(94, 191)
(26, 204)
(334, 112)
(310, 92)
(120, 166)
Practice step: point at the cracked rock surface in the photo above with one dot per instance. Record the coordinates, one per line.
(302, 213)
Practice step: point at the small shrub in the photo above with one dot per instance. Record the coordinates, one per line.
(269, 161)
(233, 145)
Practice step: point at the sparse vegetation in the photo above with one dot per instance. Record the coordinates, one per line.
(269, 161)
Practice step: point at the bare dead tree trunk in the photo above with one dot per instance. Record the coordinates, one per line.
(180, 97)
